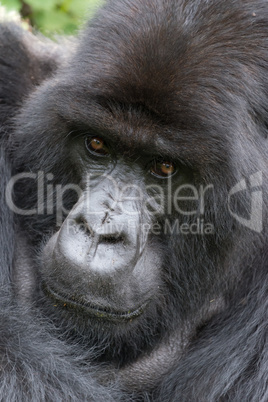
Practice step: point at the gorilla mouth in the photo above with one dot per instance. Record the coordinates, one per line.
(91, 309)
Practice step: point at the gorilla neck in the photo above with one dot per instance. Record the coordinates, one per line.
(149, 369)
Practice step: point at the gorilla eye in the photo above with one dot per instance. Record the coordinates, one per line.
(97, 146)
(163, 169)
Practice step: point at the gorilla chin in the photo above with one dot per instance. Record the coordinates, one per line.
(96, 311)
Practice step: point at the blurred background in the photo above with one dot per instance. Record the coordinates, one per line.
(50, 16)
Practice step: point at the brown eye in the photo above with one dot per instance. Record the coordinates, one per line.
(97, 146)
(163, 169)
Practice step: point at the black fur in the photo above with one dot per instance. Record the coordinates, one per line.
(194, 75)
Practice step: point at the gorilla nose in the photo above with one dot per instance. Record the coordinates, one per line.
(102, 245)
(107, 230)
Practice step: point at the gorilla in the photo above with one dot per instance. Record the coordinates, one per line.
(134, 185)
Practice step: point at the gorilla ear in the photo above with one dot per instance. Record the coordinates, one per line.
(25, 61)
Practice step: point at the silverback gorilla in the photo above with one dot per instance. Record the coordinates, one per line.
(133, 206)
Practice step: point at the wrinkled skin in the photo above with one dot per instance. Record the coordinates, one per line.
(133, 206)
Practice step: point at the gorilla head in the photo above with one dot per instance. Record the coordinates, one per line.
(138, 189)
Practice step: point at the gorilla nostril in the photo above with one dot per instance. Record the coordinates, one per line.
(83, 226)
(111, 238)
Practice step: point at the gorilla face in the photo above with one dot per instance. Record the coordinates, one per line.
(106, 258)
(122, 200)
(105, 255)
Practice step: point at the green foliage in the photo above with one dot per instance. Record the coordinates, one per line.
(54, 16)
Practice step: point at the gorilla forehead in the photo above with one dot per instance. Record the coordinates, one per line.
(150, 59)
(135, 126)
(182, 75)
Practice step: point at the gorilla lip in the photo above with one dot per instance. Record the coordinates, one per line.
(91, 309)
